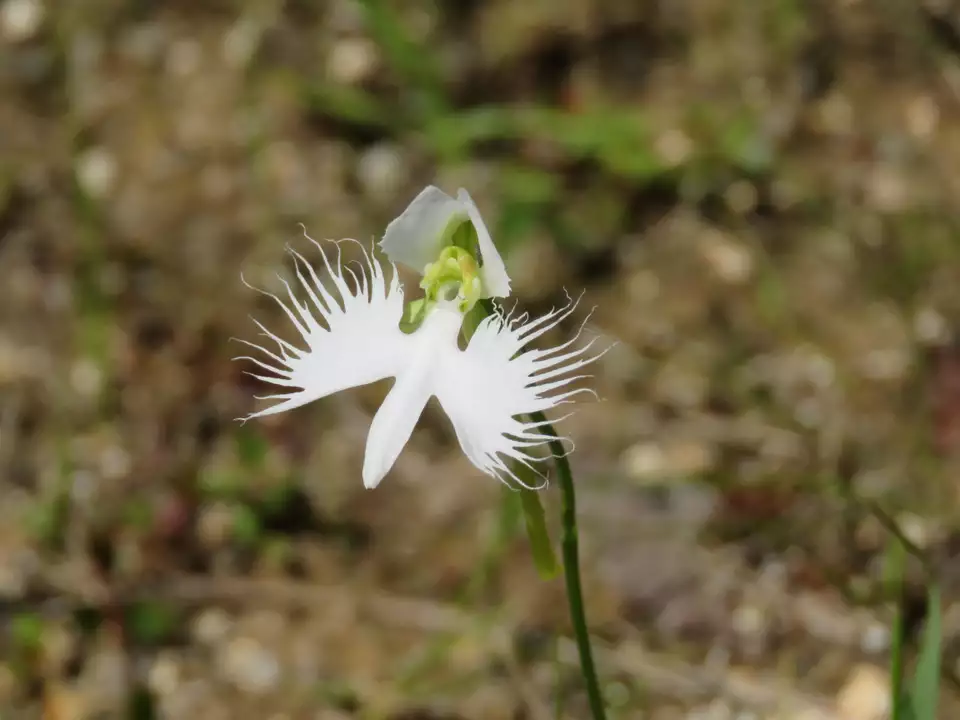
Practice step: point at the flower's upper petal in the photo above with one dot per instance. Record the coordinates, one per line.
(493, 273)
(393, 424)
(358, 341)
(414, 237)
(488, 391)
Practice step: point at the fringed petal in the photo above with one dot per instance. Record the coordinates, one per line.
(489, 390)
(352, 335)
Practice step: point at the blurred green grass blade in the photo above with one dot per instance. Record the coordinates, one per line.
(618, 140)
(152, 622)
(252, 448)
(406, 56)
(453, 134)
(348, 104)
(517, 221)
(506, 529)
(26, 632)
(246, 529)
(893, 579)
(924, 691)
(529, 185)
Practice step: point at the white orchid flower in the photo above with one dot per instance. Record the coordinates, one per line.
(352, 336)
(416, 237)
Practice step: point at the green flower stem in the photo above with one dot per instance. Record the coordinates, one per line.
(570, 549)
(569, 543)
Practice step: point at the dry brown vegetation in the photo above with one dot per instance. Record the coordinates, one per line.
(759, 197)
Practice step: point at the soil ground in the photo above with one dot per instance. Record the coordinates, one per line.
(759, 198)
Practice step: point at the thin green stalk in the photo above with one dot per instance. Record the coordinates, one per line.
(569, 541)
(570, 551)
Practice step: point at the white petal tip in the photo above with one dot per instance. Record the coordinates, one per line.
(496, 282)
(372, 479)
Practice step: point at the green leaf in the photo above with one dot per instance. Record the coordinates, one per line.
(925, 689)
(252, 447)
(528, 185)
(246, 526)
(771, 299)
(277, 497)
(225, 485)
(421, 71)
(278, 551)
(348, 104)
(141, 705)
(152, 622)
(535, 521)
(45, 520)
(138, 513)
(451, 135)
(518, 219)
(26, 631)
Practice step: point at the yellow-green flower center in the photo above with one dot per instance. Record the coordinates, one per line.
(455, 275)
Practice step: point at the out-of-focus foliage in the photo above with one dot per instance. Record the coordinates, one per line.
(760, 198)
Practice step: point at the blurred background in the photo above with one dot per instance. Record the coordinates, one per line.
(759, 198)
